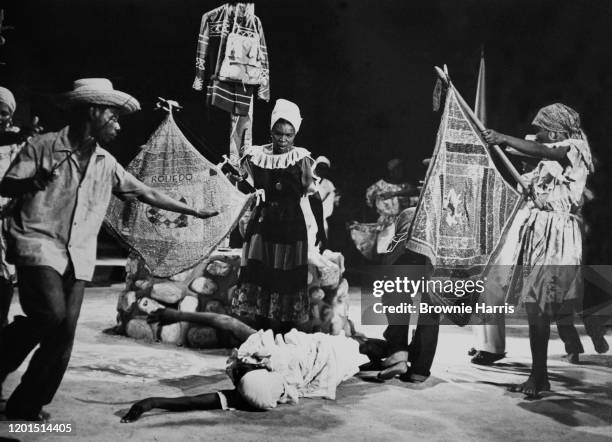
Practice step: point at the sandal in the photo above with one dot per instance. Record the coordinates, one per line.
(394, 358)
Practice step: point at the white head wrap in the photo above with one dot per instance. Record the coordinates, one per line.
(286, 110)
(321, 160)
(8, 98)
(261, 388)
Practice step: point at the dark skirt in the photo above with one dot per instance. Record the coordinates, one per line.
(274, 265)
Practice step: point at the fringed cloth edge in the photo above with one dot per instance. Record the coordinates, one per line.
(262, 156)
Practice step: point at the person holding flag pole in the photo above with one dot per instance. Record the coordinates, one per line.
(549, 248)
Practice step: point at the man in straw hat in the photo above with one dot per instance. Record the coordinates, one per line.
(64, 181)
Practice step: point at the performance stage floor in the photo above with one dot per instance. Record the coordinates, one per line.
(459, 402)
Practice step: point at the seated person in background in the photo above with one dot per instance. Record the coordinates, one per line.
(389, 196)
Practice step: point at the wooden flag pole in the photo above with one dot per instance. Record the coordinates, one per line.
(515, 174)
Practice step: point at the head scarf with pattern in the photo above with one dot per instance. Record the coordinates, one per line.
(558, 117)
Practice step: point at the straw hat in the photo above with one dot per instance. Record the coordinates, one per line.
(100, 91)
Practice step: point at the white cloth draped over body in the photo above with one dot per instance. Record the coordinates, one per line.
(312, 365)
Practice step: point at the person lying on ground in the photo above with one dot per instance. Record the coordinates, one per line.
(268, 370)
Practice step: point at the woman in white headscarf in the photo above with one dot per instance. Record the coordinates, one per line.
(272, 291)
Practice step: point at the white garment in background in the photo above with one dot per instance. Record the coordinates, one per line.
(327, 190)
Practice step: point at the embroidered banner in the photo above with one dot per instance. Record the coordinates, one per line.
(465, 204)
(170, 242)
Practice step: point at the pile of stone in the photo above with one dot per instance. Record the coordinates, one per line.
(204, 288)
(209, 288)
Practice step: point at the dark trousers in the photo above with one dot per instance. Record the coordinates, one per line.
(52, 303)
(6, 296)
(597, 300)
(569, 335)
(422, 347)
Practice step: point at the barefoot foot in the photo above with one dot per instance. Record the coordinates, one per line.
(532, 387)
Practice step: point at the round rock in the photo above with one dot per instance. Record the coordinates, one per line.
(171, 334)
(139, 329)
(167, 292)
(203, 286)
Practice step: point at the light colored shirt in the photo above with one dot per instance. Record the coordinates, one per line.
(561, 188)
(60, 224)
(327, 190)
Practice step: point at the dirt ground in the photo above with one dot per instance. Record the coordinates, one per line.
(459, 402)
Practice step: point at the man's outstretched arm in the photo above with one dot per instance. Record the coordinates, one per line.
(207, 401)
(127, 187)
(158, 199)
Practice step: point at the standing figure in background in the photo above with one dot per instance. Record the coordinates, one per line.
(326, 188)
(272, 291)
(597, 288)
(389, 196)
(8, 151)
(11, 141)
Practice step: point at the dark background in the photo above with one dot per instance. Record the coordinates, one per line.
(360, 70)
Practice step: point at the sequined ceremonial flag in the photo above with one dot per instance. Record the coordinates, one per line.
(465, 205)
(171, 242)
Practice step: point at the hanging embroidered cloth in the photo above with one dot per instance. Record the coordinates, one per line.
(170, 242)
